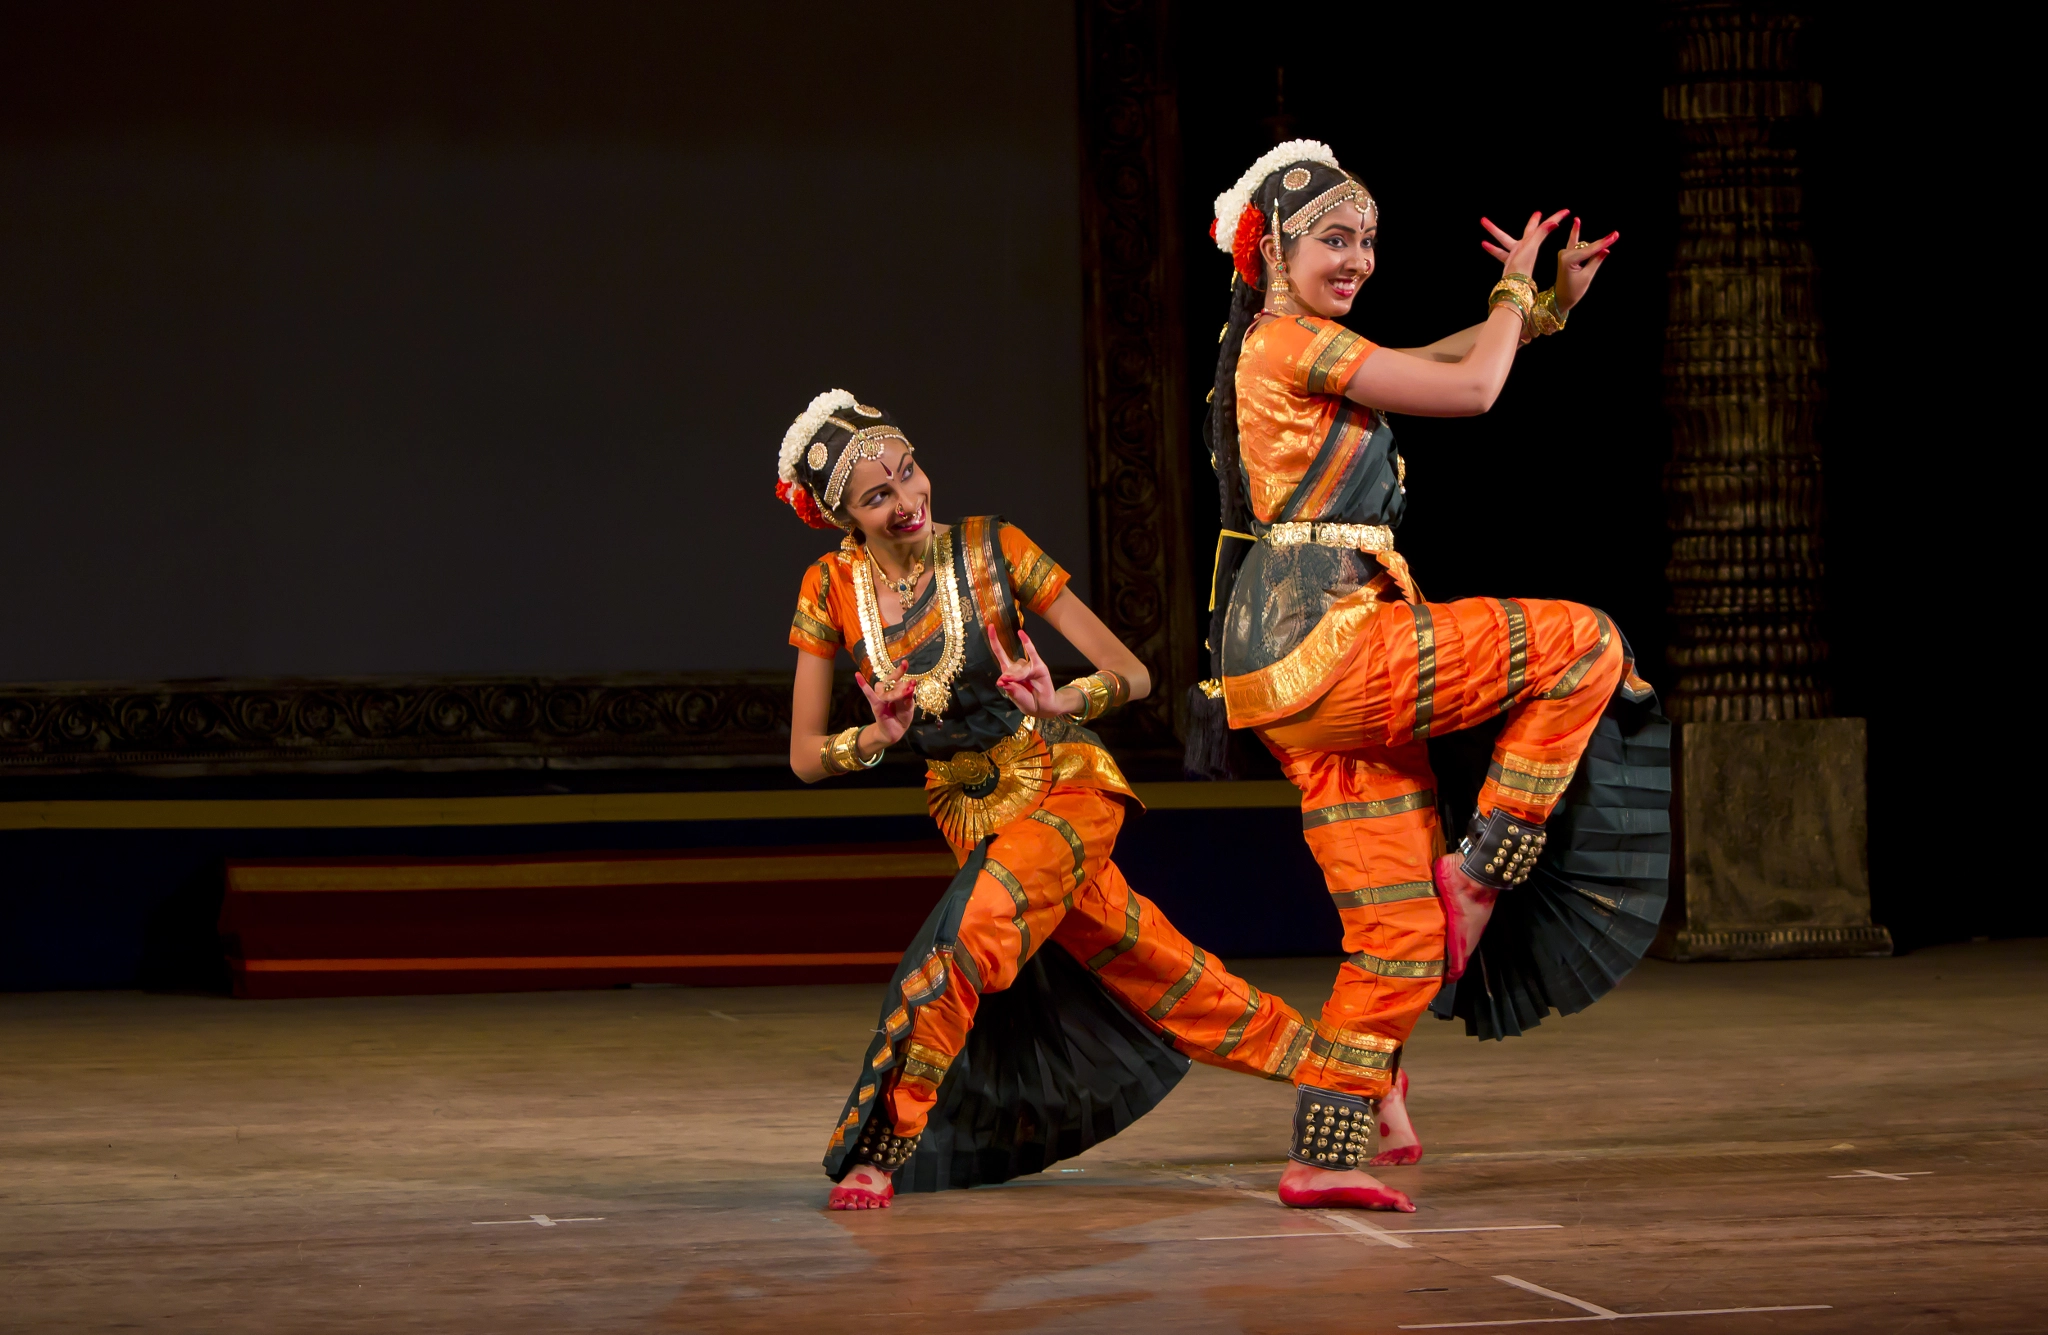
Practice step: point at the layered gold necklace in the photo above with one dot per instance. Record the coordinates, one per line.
(935, 685)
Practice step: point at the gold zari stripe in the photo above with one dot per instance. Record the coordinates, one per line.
(1285, 1070)
(1179, 989)
(1425, 670)
(1336, 350)
(1385, 806)
(1130, 938)
(1006, 878)
(1518, 648)
(1235, 1034)
(1523, 781)
(1396, 968)
(1382, 894)
(1372, 1058)
(1569, 682)
(814, 628)
(1301, 678)
(1066, 832)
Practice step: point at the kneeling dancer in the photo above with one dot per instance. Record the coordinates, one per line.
(1325, 648)
(993, 1057)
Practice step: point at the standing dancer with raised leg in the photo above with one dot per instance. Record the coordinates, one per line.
(1326, 649)
(993, 1057)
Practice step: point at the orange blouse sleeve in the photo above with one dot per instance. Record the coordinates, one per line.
(1036, 580)
(814, 629)
(1313, 356)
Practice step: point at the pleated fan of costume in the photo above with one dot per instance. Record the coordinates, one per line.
(1584, 918)
(1053, 1065)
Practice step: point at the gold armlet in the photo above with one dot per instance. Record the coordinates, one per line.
(1549, 317)
(1100, 693)
(841, 754)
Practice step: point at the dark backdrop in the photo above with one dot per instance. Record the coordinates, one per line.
(1556, 493)
(345, 336)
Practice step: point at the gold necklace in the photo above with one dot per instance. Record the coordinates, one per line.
(907, 586)
(934, 686)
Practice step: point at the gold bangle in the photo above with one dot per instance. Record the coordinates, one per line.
(1549, 316)
(1101, 692)
(1522, 293)
(841, 754)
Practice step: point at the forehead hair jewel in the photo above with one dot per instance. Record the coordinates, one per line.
(867, 443)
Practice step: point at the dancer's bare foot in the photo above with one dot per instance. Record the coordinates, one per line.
(1306, 1187)
(865, 1188)
(1467, 906)
(1399, 1144)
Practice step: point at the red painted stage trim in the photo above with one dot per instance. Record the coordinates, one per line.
(586, 873)
(561, 962)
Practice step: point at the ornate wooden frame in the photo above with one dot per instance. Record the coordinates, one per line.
(1134, 353)
(211, 727)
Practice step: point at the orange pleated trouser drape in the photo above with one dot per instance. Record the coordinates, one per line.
(1360, 757)
(1049, 878)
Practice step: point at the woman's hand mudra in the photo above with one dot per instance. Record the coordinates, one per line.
(1517, 254)
(893, 707)
(1578, 264)
(1027, 680)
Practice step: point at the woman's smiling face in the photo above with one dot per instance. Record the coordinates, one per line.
(890, 498)
(1326, 267)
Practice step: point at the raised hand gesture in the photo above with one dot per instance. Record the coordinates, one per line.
(1517, 254)
(1577, 265)
(1027, 680)
(893, 707)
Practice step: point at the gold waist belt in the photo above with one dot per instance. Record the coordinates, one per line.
(977, 793)
(1358, 537)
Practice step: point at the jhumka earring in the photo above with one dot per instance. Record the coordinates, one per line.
(1283, 303)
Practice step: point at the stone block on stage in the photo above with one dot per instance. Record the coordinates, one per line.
(1773, 843)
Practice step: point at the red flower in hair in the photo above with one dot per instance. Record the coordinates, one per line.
(1244, 249)
(798, 497)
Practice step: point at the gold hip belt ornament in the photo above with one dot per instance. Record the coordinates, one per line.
(1358, 537)
(977, 793)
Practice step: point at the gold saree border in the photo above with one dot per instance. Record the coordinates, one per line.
(1305, 675)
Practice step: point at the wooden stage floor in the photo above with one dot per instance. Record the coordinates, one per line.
(1868, 1135)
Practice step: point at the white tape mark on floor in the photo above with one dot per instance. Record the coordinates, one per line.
(1477, 1228)
(545, 1221)
(1352, 1224)
(1595, 1312)
(1890, 1177)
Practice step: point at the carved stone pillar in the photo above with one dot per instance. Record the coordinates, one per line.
(1133, 352)
(1770, 810)
(1743, 364)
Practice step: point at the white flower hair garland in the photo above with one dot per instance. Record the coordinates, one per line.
(806, 426)
(1231, 204)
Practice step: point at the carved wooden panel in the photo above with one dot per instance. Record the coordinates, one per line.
(1133, 349)
(1743, 368)
(372, 723)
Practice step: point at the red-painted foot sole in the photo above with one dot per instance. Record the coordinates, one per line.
(1406, 1154)
(1456, 948)
(1356, 1198)
(858, 1198)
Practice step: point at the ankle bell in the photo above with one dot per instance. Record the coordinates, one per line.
(880, 1146)
(1501, 850)
(1331, 1129)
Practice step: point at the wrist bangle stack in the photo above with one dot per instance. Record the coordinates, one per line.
(1516, 290)
(1100, 693)
(841, 754)
(1548, 317)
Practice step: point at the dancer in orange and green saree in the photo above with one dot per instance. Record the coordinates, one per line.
(1045, 1005)
(1326, 649)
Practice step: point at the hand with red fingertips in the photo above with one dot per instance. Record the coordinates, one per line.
(1517, 254)
(893, 708)
(1578, 264)
(1027, 680)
